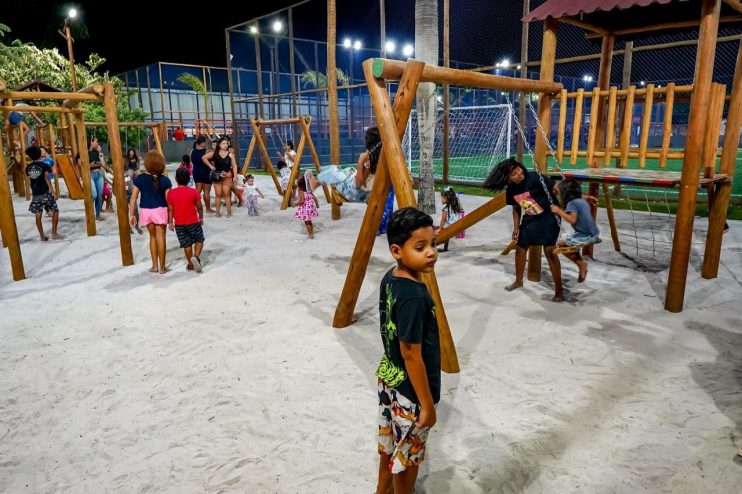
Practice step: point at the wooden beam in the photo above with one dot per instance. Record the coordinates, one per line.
(266, 157)
(87, 191)
(693, 152)
(584, 25)
(576, 126)
(46, 95)
(662, 26)
(37, 109)
(562, 125)
(305, 123)
(611, 217)
(727, 165)
(734, 4)
(119, 185)
(391, 70)
(332, 84)
(472, 218)
(248, 157)
(278, 121)
(403, 102)
(625, 137)
(8, 226)
(593, 129)
(610, 133)
(391, 133)
(294, 172)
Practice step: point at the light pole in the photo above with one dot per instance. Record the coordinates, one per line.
(277, 29)
(71, 14)
(356, 45)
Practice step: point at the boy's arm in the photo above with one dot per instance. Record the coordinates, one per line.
(200, 209)
(170, 218)
(516, 222)
(413, 361)
(49, 184)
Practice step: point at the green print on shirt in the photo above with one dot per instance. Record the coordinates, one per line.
(387, 371)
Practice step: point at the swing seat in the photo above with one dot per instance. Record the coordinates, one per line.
(337, 196)
(568, 249)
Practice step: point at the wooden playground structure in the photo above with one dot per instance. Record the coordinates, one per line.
(605, 141)
(305, 141)
(73, 137)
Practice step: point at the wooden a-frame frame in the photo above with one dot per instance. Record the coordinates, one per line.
(305, 140)
(392, 170)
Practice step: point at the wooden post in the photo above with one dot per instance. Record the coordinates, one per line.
(391, 130)
(305, 122)
(446, 102)
(119, 187)
(604, 82)
(693, 152)
(610, 133)
(611, 218)
(85, 173)
(713, 128)
(667, 127)
(562, 125)
(548, 55)
(375, 206)
(646, 122)
(53, 140)
(332, 84)
(294, 171)
(156, 137)
(7, 220)
(266, 157)
(625, 138)
(592, 133)
(72, 131)
(248, 157)
(718, 212)
(26, 179)
(576, 126)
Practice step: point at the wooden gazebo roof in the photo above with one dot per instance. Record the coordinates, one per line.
(38, 86)
(631, 18)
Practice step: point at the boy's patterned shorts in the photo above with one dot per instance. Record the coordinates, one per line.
(43, 202)
(398, 436)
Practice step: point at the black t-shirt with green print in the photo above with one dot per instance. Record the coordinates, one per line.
(407, 313)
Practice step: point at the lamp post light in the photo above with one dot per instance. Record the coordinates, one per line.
(71, 14)
(408, 50)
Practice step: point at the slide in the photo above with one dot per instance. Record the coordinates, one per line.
(70, 175)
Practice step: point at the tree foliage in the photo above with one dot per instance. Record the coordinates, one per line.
(21, 63)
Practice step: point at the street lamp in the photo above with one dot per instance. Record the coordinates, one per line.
(346, 42)
(389, 47)
(278, 26)
(408, 50)
(253, 29)
(71, 14)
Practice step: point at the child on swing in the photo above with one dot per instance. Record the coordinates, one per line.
(531, 196)
(578, 214)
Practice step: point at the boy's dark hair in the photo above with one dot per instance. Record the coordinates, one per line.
(33, 153)
(44, 148)
(182, 176)
(186, 159)
(249, 176)
(290, 144)
(405, 221)
(569, 190)
(281, 165)
(498, 178)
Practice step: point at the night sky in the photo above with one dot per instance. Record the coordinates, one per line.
(138, 33)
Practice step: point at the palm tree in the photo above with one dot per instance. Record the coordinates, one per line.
(426, 50)
(198, 86)
(318, 80)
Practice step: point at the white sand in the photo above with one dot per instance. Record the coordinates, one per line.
(117, 380)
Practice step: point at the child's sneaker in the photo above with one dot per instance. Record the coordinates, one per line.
(196, 263)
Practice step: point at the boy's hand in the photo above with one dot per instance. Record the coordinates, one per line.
(592, 200)
(132, 221)
(172, 226)
(555, 209)
(516, 232)
(427, 418)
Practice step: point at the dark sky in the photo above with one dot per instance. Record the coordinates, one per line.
(135, 32)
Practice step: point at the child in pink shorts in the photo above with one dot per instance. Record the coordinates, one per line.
(152, 187)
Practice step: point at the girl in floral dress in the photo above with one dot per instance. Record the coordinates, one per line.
(306, 209)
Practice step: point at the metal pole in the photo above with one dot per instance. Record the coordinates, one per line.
(292, 69)
(235, 130)
(382, 17)
(446, 102)
(259, 70)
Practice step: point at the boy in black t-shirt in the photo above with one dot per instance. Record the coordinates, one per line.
(41, 188)
(410, 370)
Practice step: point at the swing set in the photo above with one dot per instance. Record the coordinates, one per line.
(268, 127)
(392, 120)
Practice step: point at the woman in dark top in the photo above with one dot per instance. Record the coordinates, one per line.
(97, 161)
(533, 222)
(152, 187)
(225, 163)
(201, 172)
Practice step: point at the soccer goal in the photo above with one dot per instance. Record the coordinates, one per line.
(479, 137)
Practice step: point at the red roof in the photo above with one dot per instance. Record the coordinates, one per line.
(563, 8)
